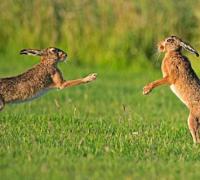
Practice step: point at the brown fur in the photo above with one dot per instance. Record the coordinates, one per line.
(38, 79)
(178, 73)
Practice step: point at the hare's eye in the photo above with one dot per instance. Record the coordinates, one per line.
(54, 50)
(170, 40)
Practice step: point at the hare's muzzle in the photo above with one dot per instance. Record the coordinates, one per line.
(161, 47)
(63, 57)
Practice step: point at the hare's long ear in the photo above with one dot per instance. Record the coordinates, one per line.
(189, 48)
(32, 52)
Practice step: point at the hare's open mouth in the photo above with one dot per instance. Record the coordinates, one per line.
(161, 47)
(63, 58)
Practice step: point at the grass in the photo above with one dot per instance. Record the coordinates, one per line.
(103, 130)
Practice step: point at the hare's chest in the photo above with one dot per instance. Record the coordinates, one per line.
(177, 92)
(164, 68)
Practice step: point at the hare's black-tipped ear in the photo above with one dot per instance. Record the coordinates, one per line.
(189, 48)
(32, 52)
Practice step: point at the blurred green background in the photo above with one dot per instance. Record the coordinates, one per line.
(121, 33)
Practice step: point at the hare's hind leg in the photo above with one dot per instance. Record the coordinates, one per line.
(1, 103)
(194, 124)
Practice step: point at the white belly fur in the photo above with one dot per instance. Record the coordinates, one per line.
(175, 91)
(40, 93)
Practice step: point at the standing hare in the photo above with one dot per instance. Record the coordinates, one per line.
(39, 79)
(183, 81)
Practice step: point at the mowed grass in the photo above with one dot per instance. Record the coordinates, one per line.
(103, 130)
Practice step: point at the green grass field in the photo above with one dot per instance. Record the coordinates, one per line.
(103, 130)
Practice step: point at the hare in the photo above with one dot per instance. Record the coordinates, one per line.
(183, 81)
(39, 79)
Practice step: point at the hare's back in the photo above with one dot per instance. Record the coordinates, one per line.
(24, 87)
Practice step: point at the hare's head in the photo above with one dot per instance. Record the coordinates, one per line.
(50, 55)
(174, 43)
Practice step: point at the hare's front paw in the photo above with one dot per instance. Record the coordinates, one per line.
(90, 77)
(147, 89)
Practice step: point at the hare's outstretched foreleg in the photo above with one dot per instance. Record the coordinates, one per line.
(76, 82)
(59, 83)
(149, 87)
(194, 124)
(1, 103)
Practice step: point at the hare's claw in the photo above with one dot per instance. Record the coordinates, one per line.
(90, 77)
(147, 89)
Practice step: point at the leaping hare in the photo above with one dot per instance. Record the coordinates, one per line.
(183, 81)
(39, 79)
